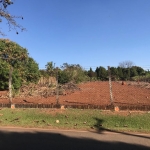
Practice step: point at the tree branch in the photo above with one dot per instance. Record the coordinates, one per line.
(11, 19)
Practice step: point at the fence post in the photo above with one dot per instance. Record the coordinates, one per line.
(57, 88)
(110, 85)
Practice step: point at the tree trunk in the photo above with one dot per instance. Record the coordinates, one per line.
(10, 84)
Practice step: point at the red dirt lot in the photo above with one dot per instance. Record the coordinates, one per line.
(95, 93)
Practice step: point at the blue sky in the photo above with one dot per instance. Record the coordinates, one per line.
(87, 32)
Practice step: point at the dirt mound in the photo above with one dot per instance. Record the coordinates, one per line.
(70, 86)
(33, 90)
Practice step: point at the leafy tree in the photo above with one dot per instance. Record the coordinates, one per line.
(4, 75)
(79, 76)
(74, 72)
(133, 72)
(50, 68)
(114, 73)
(16, 79)
(101, 73)
(139, 70)
(14, 55)
(63, 77)
(126, 73)
(16, 65)
(120, 73)
(11, 19)
(97, 72)
(43, 73)
(91, 74)
(32, 73)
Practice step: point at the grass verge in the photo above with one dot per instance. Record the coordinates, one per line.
(76, 119)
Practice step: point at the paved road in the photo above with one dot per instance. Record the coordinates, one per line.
(40, 139)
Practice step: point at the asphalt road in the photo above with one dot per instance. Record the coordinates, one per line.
(41, 139)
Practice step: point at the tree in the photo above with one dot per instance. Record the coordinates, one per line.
(50, 68)
(101, 73)
(126, 73)
(11, 19)
(16, 65)
(43, 73)
(74, 72)
(32, 73)
(126, 64)
(120, 73)
(91, 73)
(63, 77)
(97, 72)
(139, 70)
(4, 75)
(133, 72)
(14, 55)
(114, 73)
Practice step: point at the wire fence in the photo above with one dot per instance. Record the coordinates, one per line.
(93, 94)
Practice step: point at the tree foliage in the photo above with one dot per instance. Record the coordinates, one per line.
(133, 72)
(114, 73)
(11, 19)
(126, 73)
(4, 74)
(101, 73)
(91, 74)
(32, 73)
(72, 72)
(139, 70)
(63, 77)
(120, 73)
(75, 73)
(25, 69)
(11, 52)
(50, 68)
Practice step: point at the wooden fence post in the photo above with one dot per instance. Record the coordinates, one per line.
(110, 86)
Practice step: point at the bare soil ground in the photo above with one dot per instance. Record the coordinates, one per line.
(95, 93)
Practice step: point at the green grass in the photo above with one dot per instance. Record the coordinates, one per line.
(76, 119)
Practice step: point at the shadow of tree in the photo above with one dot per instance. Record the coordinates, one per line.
(99, 129)
(99, 125)
(43, 140)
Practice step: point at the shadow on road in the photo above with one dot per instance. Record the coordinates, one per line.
(53, 141)
(99, 129)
